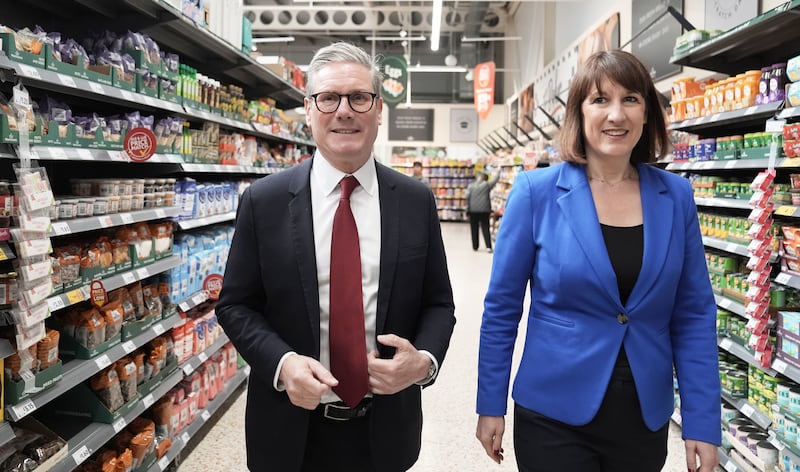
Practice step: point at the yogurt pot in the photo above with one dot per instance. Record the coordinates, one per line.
(767, 453)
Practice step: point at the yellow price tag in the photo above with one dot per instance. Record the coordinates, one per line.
(785, 210)
(791, 162)
(75, 296)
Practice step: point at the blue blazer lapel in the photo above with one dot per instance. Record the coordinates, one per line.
(390, 240)
(579, 212)
(301, 224)
(657, 211)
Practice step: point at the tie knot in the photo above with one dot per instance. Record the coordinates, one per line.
(348, 184)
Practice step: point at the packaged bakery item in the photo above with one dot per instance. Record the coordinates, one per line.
(107, 387)
(126, 371)
(114, 316)
(91, 328)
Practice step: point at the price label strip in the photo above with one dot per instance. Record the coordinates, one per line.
(81, 455)
(103, 361)
(128, 347)
(148, 401)
(24, 409)
(119, 424)
(163, 463)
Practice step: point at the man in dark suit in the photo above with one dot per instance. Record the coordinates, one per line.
(277, 299)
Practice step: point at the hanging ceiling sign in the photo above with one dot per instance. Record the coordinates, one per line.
(484, 88)
(395, 80)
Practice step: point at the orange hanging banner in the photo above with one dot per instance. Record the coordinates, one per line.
(484, 88)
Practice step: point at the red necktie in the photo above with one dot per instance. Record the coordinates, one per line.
(347, 339)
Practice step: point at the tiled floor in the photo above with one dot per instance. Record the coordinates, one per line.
(448, 443)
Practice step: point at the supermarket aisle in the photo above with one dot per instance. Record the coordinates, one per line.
(448, 442)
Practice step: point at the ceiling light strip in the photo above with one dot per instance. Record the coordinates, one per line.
(395, 38)
(436, 24)
(274, 39)
(464, 39)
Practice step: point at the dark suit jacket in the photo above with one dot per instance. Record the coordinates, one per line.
(269, 305)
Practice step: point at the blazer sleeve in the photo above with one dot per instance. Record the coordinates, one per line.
(693, 334)
(514, 258)
(242, 299)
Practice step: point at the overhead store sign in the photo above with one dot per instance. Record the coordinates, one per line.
(484, 88)
(395, 80)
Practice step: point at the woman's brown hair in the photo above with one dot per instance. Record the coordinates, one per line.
(626, 70)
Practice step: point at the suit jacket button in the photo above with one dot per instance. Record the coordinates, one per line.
(622, 318)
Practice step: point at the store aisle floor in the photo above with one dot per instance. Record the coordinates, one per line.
(448, 437)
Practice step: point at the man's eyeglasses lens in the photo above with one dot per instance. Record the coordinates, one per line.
(328, 102)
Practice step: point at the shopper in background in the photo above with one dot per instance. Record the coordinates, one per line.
(417, 169)
(280, 298)
(479, 208)
(620, 295)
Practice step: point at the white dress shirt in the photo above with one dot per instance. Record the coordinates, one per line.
(365, 205)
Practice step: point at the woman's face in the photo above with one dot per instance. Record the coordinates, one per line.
(613, 121)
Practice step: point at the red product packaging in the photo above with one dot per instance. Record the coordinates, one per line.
(188, 338)
(193, 408)
(763, 181)
(184, 413)
(203, 393)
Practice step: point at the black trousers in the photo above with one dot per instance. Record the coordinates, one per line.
(337, 446)
(481, 219)
(616, 440)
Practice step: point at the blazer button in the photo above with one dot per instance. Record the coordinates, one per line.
(622, 318)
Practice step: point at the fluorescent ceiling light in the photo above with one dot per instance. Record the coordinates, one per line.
(436, 24)
(274, 39)
(436, 69)
(395, 38)
(464, 39)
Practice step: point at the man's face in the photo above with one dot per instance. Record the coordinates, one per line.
(345, 137)
(418, 171)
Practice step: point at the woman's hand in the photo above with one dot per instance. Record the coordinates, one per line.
(709, 458)
(490, 433)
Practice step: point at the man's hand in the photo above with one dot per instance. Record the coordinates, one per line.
(709, 458)
(490, 433)
(306, 380)
(407, 367)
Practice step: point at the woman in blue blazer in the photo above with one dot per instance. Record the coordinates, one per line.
(619, 289)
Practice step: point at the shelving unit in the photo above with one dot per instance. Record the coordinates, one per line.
(203, 416)
(211, 56)
(77, 371)
(769, 38)
(450, 197)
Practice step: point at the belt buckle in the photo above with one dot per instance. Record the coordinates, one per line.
(332, 407)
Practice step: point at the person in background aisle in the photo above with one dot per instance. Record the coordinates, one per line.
(479, 208)
(619, 291)
(417, 169)
(329, 391)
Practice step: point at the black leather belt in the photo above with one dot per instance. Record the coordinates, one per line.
(339, 411)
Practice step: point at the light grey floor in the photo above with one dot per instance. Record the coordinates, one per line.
(448, 442)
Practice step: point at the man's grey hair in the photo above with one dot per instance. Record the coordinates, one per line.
(342, 52)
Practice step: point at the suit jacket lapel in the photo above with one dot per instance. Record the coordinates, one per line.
(390, 240)
(302, 232)
(657, 212)
(577, 205)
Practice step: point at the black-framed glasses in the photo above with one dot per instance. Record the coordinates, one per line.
(359, 102)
